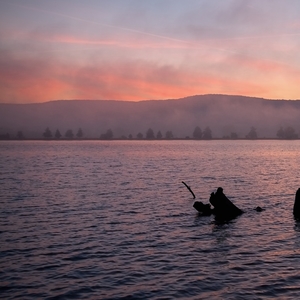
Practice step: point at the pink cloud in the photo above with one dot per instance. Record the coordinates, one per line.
(39, 80)
(264, 67)
(124, 41)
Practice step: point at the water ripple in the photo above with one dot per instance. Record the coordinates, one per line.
(101, 220)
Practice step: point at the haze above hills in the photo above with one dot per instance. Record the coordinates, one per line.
(223, 114)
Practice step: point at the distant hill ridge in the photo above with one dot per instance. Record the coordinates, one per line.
(223, 114)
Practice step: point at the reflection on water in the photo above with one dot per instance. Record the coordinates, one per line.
(110, 220)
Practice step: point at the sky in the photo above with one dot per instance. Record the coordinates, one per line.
(139, 50)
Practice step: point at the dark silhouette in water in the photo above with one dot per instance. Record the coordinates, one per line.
(259, 209)
(205, 209)
(296, 209)
(189, 189)
(223, 209)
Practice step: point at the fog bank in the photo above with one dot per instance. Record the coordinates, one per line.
(223, 114)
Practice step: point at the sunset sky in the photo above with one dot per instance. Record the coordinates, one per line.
(138, 49)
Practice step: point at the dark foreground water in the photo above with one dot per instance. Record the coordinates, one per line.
(112, 220)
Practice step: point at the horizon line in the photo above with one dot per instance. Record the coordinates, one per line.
(147, 100)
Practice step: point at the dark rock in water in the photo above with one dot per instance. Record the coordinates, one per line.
(259, 209)
(223, 208)
(205, 209)
(296, 209)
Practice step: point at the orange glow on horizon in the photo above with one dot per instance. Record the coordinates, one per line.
(39, 82)
(133, 83)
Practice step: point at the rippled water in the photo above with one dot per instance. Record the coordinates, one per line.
(112, 220)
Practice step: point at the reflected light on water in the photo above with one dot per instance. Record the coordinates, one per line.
(110, 220)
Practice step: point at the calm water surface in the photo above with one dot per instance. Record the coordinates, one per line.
(112, 220)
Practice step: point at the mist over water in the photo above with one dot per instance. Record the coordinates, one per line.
(112, 220)
(223, 114)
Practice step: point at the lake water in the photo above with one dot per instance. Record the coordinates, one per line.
(112, 220)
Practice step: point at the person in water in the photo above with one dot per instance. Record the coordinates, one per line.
(223, 207)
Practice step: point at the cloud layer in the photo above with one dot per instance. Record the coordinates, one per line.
(133, 50)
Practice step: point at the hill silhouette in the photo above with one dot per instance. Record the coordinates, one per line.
(223, 114)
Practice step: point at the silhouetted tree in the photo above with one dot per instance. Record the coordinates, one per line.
(47, 134)
(130, 136)
(280, 133)
(197, 134)
(107, 136)
(287, 133)
(207, 135)
(139, 136)
(20, 135)
(159, 135)
(233, 135)
(69, 134)
(57, 134)
(169, 135)
(79, 133)
(290, 133)
(252, 135)
(150, 134)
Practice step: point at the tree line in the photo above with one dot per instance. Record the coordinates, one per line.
(151, 135)
(206, 134)
(287, 133)
(68, 134)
